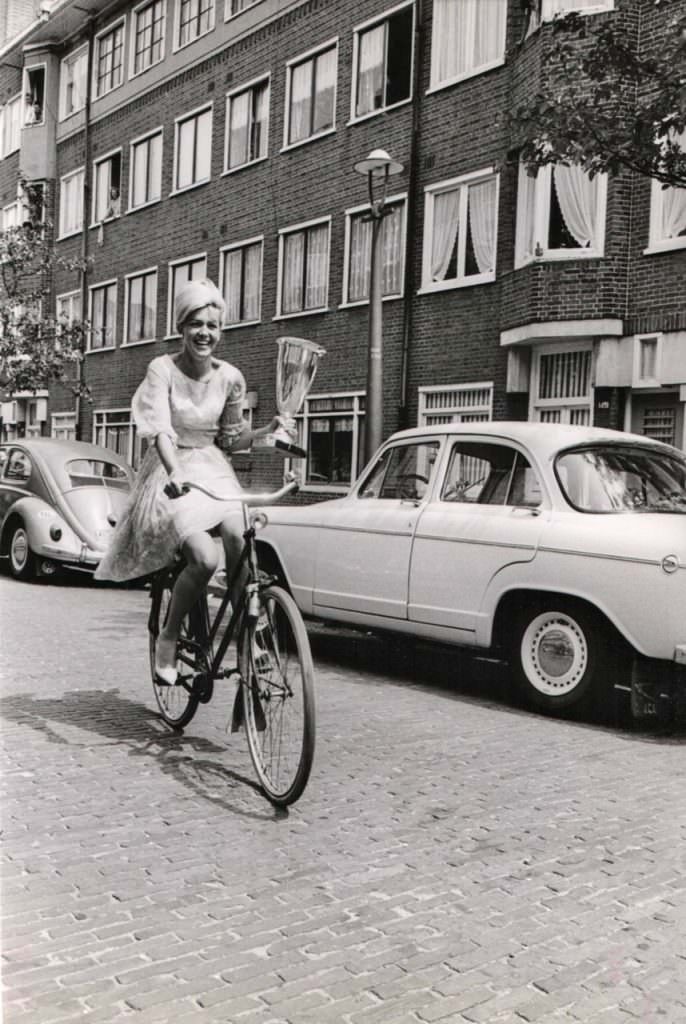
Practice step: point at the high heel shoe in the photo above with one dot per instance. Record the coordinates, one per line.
(166, 675)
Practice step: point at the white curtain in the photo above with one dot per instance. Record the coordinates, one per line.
(552, 7)
(293, 261)
(252, 283)
(149, 292)
(446, 219)
(155, 168)
(444, 45)
(186, 147)
(102, 190)
(360, 259)
(203, 143)
(140, 174)
(578, 198)
(301, 99)
(232, 286)
(325, 83)
(238, 131)
(392, 234)
(482, 218)
(467, 34)
(316, 270)
(370, 71)
(673, 212)
(260, 117)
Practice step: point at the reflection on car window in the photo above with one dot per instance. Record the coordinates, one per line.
(96, 473)
(18, 467)
(3, 459)
(623, 478)
(402, 472)
(483, 473)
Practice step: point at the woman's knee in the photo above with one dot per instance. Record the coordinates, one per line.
(201, 555)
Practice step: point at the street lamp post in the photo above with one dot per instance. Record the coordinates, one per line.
(378, 167)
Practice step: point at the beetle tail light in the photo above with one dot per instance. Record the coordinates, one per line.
(56, 531)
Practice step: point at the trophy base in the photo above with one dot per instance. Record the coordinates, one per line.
(290, 448)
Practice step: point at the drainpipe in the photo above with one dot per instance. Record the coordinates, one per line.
(84, 225)
(409, 277)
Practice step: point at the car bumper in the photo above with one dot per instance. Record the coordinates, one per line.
(658, 688)
(85, 558)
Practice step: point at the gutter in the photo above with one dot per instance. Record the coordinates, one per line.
(86, 218)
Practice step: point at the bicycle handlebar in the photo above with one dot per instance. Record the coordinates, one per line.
(245, 498)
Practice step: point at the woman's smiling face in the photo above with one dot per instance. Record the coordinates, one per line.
(201, 333)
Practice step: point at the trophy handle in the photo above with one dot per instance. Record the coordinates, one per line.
(291, 449)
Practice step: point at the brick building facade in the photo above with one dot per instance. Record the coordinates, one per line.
(218, 138)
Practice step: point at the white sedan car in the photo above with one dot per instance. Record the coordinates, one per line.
(562, 548)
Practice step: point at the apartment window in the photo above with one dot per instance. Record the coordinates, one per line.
(647, 361)
(115, 429)
(11, 215)
(194, 268)
(103, 315)
(68, 308)
(303, 268)
(192, 159)
(311, 95)
(34, 95)
(63, 426)
(561, 385)
(382, 62)
(145, 180)
(458, 403)
(107, 188)
(358, 252)
(148, 35)
(109, 60)
(11, 125)
(546, 10)
(659, 422)
(460, 232)
(247, 124)
(468, 38)
(234, 7)
(141, 307)
(73, 71)
(331, 429)
(560, 214)
(71, 203)
(668, 212)
(241, 277)
(196, 17)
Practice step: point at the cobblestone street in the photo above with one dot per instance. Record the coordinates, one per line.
(454, 858)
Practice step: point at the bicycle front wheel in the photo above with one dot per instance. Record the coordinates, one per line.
(275, 662)
(177, 703)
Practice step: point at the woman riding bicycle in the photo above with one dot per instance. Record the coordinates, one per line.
(184, 403)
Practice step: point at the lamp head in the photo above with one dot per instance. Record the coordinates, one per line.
(379, 160)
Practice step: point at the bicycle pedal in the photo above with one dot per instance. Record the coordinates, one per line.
(203, 688)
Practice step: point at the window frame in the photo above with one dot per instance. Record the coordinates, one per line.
(135, 13)
(67, 177)
(655, 381)
(68, 418)
(228, 14)
(293, 229)
(16, 103)
(81, 52)
(99, 285)
(264, 79)
(133, 453)
(105, 158)
(346, 302)
(657, 242)
(232, 247)
(132, 146)
(462, 182)
(358, 415)
(600, 7)
(178, 122)
(304, 58)
(25, 84)
(379, 19)
(176, 41)
(457, 413)
(542, 184)
(565, 405)
(128, 279)
(172, 333)
(73, 295)
(436, 86)
(97, 41)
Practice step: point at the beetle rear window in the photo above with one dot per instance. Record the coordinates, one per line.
(96, 473)
(623, 478)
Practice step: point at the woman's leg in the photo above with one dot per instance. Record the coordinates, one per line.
(201, 556)
(231, 531)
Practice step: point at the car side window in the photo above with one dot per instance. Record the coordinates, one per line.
(3, 460)
(18, 467)
(484, 473)
(402, 472)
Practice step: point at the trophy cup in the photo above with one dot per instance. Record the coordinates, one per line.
(296, 366)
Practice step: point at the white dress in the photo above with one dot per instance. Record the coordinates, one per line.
(190, 412)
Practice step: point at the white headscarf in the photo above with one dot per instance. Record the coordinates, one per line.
(196, 295)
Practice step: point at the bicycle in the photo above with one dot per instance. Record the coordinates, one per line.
(274, 700)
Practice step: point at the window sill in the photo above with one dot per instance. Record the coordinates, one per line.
(365, 302)
(135, 344)
(97, 351)
(374, 113)
(143, 206)
(241, 323)
(189, 188)
(230, 17)
(100, 223)
(101, 95)
(676, 245)
(449, 286)
(242, 167)
(72, 113)
(465, 75)
(559, 256)
(288, 146)
(304, 312)
(69, 234)
(189, 42)
(137, 74)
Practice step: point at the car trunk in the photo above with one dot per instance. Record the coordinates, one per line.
(97, 510)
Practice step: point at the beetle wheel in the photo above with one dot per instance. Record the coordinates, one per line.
(22, 558)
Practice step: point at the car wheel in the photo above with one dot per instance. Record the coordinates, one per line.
(558, 656)
(22, 558)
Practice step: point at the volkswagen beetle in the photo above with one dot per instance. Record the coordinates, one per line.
(59, 503)
(561, 548)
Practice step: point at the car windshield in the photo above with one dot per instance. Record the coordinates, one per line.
(96, 473)
(623, 478)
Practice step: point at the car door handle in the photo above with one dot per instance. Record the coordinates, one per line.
(521, 511)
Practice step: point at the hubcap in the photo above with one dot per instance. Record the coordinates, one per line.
(554, 653)
(20, 549)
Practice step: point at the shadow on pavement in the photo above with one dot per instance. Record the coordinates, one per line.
(125, 723)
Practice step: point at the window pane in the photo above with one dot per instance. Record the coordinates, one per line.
(294, 263)
(232, 286)
(239, 129)
(370, 73)
(399, 58)
(325, 83)
(185, 153)
(301, 102)
(252, 282)
(204, 146)
(317, 267)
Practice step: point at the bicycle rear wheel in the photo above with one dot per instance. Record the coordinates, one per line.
(275, 662)
(177, 703)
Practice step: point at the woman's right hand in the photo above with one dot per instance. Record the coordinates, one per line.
(175, 488)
